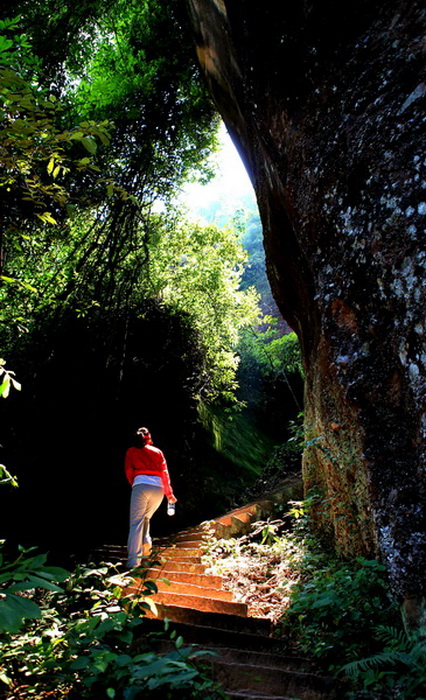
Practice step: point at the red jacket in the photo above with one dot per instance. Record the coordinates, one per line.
(147, 460)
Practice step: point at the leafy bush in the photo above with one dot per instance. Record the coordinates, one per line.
(342, 614)
(333, 613)
(90, 643)
(398, 671)
(25, 573)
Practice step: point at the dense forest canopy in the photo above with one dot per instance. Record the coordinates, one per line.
(115, 309)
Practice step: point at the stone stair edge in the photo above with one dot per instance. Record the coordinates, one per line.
(193, 602)
(194, 589)
(218, 636)
(261, 627)
(311, 677)
(253, 695)
(263, 659)
(202, 580)
(290, 489)
(277, 660)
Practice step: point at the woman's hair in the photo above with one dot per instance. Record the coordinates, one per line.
(143, 437)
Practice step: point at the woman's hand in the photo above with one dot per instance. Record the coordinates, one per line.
(172, 499)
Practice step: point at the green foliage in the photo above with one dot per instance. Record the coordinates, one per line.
(339, 603)
(196, 270)
(6, 477)
(398, 671)
(129, 63)
(342, 614)
(255, 273)
(236, 437)
(36, 152)
(191, 270)
(274, 354)
(7, 380)
(87, 644)
(25, 573)
(140, 68)
(114, 60)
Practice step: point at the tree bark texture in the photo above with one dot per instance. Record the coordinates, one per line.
(324, 100)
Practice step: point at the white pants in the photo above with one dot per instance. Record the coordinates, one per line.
(144, 502)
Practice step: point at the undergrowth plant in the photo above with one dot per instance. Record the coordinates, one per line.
(90, 643)
(343, 614)
(335, 608)
(398, 671)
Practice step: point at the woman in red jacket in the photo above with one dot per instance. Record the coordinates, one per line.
(146, 472)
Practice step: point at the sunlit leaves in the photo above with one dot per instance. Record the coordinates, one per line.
(25, 573)
(7, 380)
(197, 270)
(30, 137)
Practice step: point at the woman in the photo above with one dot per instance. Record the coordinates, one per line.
(146, 472)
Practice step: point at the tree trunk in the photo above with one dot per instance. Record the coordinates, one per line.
(323, 100)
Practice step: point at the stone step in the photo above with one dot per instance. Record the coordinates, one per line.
(244, 514)
(249, 673)
(169, 566)
(192, 543)
(197, 602)
(192, 589)
(262, 658)
(241, 655)
(208, 635)
(249, 695)
(271, 680)
(231, 524)
(111, 553)
(192, 616)
(249, 663)
(180, 558)
(184, 536)
(205, 580)
(178, 553)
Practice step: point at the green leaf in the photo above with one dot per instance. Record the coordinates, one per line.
(39, 582)
(89, 144)
(10, 280)
(47, 218)
(16, 385)
(80, 663)
(5, 44)
(25, 285)
(5, 388)
(14, 609)
(123, 660)
(56, 572)
(4, 678)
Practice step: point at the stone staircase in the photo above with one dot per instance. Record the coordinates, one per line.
(247, 660)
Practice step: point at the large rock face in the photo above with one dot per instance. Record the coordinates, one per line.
(324, 101)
